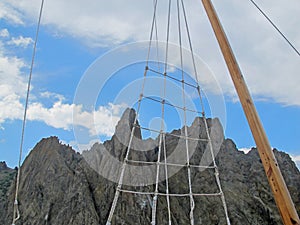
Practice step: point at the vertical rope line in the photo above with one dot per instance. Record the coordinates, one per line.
(162, 128)
(120, 183)
(193, 57)
(192, 202)
(16, 212)
(167, 179)
(189, 40)
(204, 119)
(217, 175)
(154, 208)
(156, 40)
(151, 32)
(168, 36)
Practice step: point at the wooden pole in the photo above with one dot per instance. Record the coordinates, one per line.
(281, 194)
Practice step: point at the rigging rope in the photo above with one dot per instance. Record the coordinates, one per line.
(156, 37)
(167, 180)
(192, 202)
(16, 212)
(162, 151)
(204, 120)
(120, 183)
(153, 24)
(275, 27)
(155, 197)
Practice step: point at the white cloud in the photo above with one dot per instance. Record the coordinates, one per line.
(57, 114)
(106, 118)
(11, 108)
(269, 65)
(21, 41)
(12, 87)
(102, 23)
(263, 55)
(9, 13)
(81, 147)
(101, 121)
(4, 33)
(296, 158)
(12, 80)
(245, 150)
(115, 20)
(50, 95)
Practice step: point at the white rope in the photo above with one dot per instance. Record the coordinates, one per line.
(173, 78)
(120, 183)
(155, 197)
(162, 133)
(172, 105)
(205, 121)
(16, 212)
(167, 180)
(192, 202)
(154, 207)
(168, 164)
(170, 194)
(174, 135)
(117, 193)
(151, 31)
(156, 36)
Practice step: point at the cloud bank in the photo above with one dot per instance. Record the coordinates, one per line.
(269, 65)
(59, 115)
(263, 55)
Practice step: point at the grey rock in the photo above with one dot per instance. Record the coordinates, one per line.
(60, 186)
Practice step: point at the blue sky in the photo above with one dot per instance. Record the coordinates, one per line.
(73, 36)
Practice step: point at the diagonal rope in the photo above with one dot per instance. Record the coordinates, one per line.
(156, 36)
(167, 180)
(16, 212)
(192, 202)
(155, 197)
(168, 37)
(153, 25)
(125, 162)
(170, 194)
(275, 27)
(120, 182)
(162, 151)
(205, 121)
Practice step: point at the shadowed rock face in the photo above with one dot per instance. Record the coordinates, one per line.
(60, 186)
(7, 175)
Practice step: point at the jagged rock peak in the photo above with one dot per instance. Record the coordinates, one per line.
(125, 124)
(52, 143)
(3, 166)
(59, 187)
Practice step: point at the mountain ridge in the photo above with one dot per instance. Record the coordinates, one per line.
(61, 186)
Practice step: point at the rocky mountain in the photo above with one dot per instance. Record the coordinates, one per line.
(61, 186)
(6, 177)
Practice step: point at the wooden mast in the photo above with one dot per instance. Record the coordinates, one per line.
(281, 194)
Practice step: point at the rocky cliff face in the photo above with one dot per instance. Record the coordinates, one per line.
(6, 177)
(60, 186)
